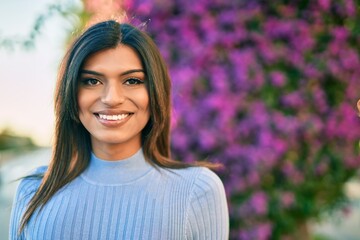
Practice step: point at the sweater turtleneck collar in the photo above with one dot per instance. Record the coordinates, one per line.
(103, 172)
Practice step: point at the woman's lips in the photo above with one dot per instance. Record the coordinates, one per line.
(113, 120)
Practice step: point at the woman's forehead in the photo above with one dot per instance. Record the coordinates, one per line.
(121, 57)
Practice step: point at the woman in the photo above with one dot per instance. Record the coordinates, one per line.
(111, 175)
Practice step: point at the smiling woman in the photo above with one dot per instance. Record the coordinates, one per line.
(111, 175)
(114, 102)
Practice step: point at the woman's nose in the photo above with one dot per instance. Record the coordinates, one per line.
(113, 95)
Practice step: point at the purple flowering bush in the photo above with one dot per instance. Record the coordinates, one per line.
(268, 89)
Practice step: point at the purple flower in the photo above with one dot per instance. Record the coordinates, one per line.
(350, 7)
(278, 78)
(287, 199)
(259, 203)
(264, 231)
(293, 99)
(340, 33)
(324, 4)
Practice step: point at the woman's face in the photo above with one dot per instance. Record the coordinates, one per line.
(114, 102)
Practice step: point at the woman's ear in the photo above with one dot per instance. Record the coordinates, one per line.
(358, 106)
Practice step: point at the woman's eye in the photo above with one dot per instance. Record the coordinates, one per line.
(133, 81)
(90, 81)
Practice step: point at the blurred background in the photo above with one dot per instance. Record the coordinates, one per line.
(268, 88)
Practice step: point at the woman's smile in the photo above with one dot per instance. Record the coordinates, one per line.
(113, 117)
(113, 120)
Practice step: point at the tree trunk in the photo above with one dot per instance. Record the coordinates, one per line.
(301, 233)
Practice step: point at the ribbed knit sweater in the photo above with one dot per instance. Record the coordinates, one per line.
(127, 199)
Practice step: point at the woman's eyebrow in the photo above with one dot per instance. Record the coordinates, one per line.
(132, 71)
(84, 71)
(90, 72)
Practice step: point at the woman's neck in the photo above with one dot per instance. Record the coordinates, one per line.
(112, 152)
(120, 171)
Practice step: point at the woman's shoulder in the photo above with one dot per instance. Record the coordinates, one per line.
(201, 178)
(208, 181)
(31, 182)
(39, 170)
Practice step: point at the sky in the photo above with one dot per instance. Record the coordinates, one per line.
(28, 77)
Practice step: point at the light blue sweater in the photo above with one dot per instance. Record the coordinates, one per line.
(128, 199)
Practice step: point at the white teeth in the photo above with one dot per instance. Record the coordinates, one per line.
(113, 117)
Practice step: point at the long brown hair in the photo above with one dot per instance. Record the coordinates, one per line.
(72, 146)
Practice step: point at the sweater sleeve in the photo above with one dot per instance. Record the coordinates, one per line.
(24, 193)
(207, 217)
